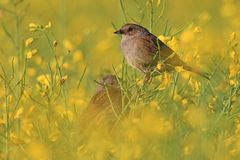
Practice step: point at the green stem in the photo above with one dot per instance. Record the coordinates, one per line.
(151, 16)
(63, 18)
(81, 78)
(17, 36)
(123, 11)
(7, 120)
(111, 103)
(58, 67)
(175, 84)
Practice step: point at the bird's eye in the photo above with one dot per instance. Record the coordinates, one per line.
(130, 29)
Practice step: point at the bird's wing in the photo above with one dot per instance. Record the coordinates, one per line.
(148, 44)
(102, 102)
(167, 55)
(171, 59)
(148, 52)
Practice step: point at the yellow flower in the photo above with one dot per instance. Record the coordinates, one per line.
(140, 82)
(103, 45)
(197, 29)
(233, 82)
(15, 139)
(68, 45)
(34, 51)
(174, 44)
(232, 71)
(205, 17)
(43, 79)
(185, 75)
(179, 69)
(2, 121)
(54, 136)
(184, 101)
(29, 41)
(166, 79)
(177, 97)
(67, 114)
(187, 36)
(228, 141)
(233, 36)
(63, 79)
(187, 150)
(18, 113)
(164, 39)
(66, 65)
(38, 151)
(27, 126)
(77, 56)
(154, 104)
(160, 65)
(10, 98)
(31, 53)
(157, 1)
(49, 25)
(55, 43)
(33, 27)
(195, 85)
(31, 72)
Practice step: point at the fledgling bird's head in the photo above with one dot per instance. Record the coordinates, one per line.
(109, 81)
(131, 29)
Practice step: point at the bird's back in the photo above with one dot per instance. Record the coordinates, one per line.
(104, 107)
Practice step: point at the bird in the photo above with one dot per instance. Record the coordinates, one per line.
(143, 51)
(105, 106)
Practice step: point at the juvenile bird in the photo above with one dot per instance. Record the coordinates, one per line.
(143, 51)
(106, 104)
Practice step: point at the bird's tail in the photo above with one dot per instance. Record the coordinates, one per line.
(198, 71)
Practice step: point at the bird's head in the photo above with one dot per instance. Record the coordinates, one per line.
(131, 29)
(109, 81)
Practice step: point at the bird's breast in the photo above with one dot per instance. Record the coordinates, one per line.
(128, 46)
(130, 50)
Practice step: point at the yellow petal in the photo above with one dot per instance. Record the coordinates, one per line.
(2, 121)
(197, 29)
(18, 113)
(32, 25)
(160, 66)
(179, 69)
(15, 139)
(29, 41)
(29, 54)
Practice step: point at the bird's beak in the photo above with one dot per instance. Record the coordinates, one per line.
(118, 32)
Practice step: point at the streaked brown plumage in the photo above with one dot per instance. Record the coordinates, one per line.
(144, 50)
(106, 104)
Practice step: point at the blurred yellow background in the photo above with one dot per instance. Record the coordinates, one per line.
(83, 21)
(46, 47)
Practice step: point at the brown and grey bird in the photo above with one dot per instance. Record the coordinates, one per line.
(143, 51)
(105, 106)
